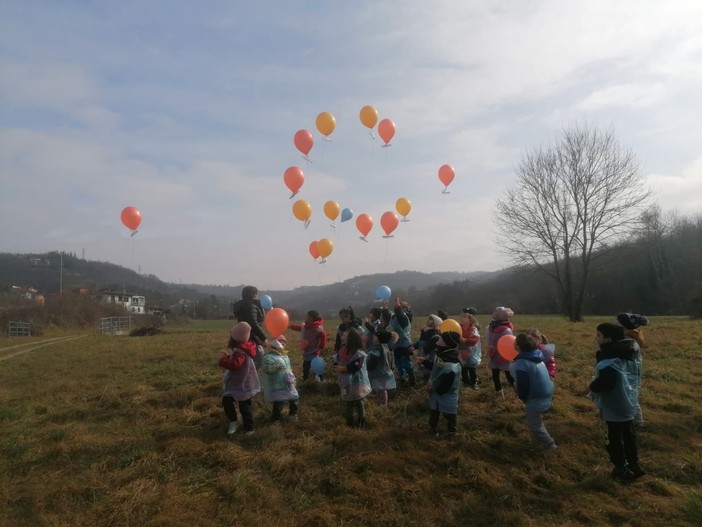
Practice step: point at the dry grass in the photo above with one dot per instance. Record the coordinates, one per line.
(119, 431)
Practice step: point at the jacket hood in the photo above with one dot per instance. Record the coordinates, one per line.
(620, 349)
(532, 356)
(447, 354)
(314, 324)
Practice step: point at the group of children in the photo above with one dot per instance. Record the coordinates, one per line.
(369, 354)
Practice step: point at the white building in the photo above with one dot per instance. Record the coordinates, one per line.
(132, 303)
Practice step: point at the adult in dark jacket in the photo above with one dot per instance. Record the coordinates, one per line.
(249, 310)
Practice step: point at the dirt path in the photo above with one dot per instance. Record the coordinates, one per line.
(37, 345)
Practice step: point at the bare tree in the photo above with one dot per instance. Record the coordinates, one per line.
(571, 202)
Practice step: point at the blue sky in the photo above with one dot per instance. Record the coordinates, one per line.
(187, 111)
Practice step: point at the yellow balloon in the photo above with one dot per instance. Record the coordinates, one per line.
(326, 123)
(450, 325)
(332, 209)
(403, 206)
(369, 116)
(325, 247)
(302, 210)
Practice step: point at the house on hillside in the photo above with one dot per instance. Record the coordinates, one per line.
(132, 303)
(28, 293)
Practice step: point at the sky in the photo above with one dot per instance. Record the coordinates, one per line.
(187, 111)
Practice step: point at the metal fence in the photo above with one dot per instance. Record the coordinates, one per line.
(19, 329)
(115, 325)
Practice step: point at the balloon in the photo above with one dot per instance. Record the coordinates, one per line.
(266, 302)
(383, 292)
(389, 222)
(326, 123)
(293, 178)
(364, 224)
(505, 347)
(369, 116)
(304, 141)
(131, 217)
(325, 247)
(386, 130)
(318, 365)
(331, 209)
(314, 249)
(302, 210)
(276, 321)
(403, 206)
(446, 175)
(450, 325)
(346, 215)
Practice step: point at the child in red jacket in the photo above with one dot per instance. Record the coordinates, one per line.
(313, 339)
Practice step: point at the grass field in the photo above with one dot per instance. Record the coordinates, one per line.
(122, 431)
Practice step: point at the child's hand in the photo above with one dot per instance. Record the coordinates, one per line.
(339, 368)
(428, 388)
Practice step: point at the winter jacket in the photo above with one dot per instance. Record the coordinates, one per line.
(278, 378)
(426, 349)
(549, 353)
(401, 324)
(313, 338)
(249, 310)
(497, 329)
(354, 381)
(379, 365)
(444, 381)
(469, 350)
(615, 387)
(342, 328)
(534, 386)
(240, 379)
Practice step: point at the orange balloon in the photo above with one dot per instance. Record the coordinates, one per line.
(403, 206)
(314, 249)
(389, 222)
(294, 178)
(364, 224)
(325, 246)
(505, 347)
(131, 217)
(386, 130)
(303, 141)
(446, 174)
(276, 321)
(302, 210)
(326, 123)
(369, 116)
(332, 209)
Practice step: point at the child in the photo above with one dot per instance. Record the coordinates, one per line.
(444, 382)
(631, 322)
(426, 345)
(615, 390)
(548, 351)
(240, 378)
(279, 379)
(380, 363)
(499, 326)
(401, 324)
(372, 322)
(469, 350)
(474, 312)
(350, 364)
(313, 339)
(348, 320)
(533, 386)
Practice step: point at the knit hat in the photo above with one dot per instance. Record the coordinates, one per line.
(631, 320)
(470, 310)
(437, 320)
(451, 339)
(241, 332)
(611, 331)
(503, 313)
(279, 343)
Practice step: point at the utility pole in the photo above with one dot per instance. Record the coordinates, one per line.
(61, 279)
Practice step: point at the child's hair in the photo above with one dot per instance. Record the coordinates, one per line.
(249, 292)
(347, 312)
(314, 315)
(526, 342)
(610, 331)
(384, 336)
(540, 337)
(442, 314)
(385, 316)
(376, 312)
(353, 341)
(469, 317)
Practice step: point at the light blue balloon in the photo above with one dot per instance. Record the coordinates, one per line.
(383, 293)
(318, 365)
(266, 302)
(346, 215)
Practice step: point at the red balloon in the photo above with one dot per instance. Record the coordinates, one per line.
(304, 141)
(505, 347)
(364, 224)
(294, 178)
(276, 321)
(314, 250)
(446, 174)
(131, 217)
(389, 222)
(386, 130)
